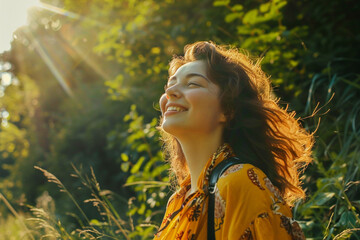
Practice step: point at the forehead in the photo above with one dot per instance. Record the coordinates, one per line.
(198, 66)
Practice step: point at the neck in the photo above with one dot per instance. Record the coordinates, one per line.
(197, 151)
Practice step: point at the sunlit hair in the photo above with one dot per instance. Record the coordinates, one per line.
(258, 129)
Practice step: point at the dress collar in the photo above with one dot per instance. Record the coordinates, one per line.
(224, 151)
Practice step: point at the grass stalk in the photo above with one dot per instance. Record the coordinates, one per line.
(52, 178)
(111, 213)
(13, 211)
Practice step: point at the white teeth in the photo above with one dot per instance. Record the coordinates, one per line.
(177, 109)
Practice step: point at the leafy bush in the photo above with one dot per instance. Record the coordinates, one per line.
(112, 54)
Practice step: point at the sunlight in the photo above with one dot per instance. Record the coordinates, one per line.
(13, 14)
(16, 16)
(5, 79)
(51, 65)
(59, 10)
(46, 57)
(67, 13)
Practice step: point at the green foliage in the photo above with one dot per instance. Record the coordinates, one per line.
(334, 196)
(75, 75)
(147, 177)
(143, 162)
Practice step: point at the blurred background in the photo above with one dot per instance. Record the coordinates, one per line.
(80, 156)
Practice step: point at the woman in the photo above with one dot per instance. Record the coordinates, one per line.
(218, 104)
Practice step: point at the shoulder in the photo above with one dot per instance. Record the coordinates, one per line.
(243, 176)
(252, 206)
(247, 184)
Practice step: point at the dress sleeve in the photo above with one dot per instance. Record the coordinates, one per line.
(274, 226)
(248, 206)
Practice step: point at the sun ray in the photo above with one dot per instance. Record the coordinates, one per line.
(47, 60)
(67, 13)
(88, 60)
(80, 52)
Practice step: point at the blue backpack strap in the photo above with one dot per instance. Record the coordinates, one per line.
(215, 175)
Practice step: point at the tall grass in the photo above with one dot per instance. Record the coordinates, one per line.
(332, 210)
(110, 226)
(44, 224)
(12, 228)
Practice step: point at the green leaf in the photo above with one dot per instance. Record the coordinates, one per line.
(127, 117)
(142, 209)
(347, 219)
(155, 50)
(265, 7)
(221, 3)
(125, 166)
(243, 30)
(142, 147)
(127, 53)
(124, 157)
(158, 170)
(250, 17)
(137, 166)
(232, 16)
(293, 63)
(322, 198)
(237, 7)
(95, 222)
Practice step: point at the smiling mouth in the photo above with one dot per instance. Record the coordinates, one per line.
(175, 109)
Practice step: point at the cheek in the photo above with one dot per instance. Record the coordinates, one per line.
(162, 102)
(206, 106)
(204, 100)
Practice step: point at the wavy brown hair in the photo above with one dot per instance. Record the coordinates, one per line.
(258, 129)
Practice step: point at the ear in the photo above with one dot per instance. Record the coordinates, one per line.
(222, 118)
(226, 118)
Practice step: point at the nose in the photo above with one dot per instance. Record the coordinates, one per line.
(172, 92)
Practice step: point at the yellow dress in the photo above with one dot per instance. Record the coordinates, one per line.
(247, 206)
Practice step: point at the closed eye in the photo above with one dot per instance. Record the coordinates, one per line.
(189, 84)
(194, 84)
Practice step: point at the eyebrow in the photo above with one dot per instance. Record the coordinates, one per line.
(190, 75)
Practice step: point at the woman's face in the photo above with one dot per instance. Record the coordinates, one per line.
(191, 102)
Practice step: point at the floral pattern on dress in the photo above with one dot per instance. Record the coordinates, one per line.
(189, 235)
(254, 178)
(292, 227)
(273, 189)
(166, 218)
(247, 234)
(194, 213)
(220, 205)
(232, 169)
(179, 235)
(219, 209)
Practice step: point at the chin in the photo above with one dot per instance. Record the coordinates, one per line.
(173, 129)
(168, 129)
